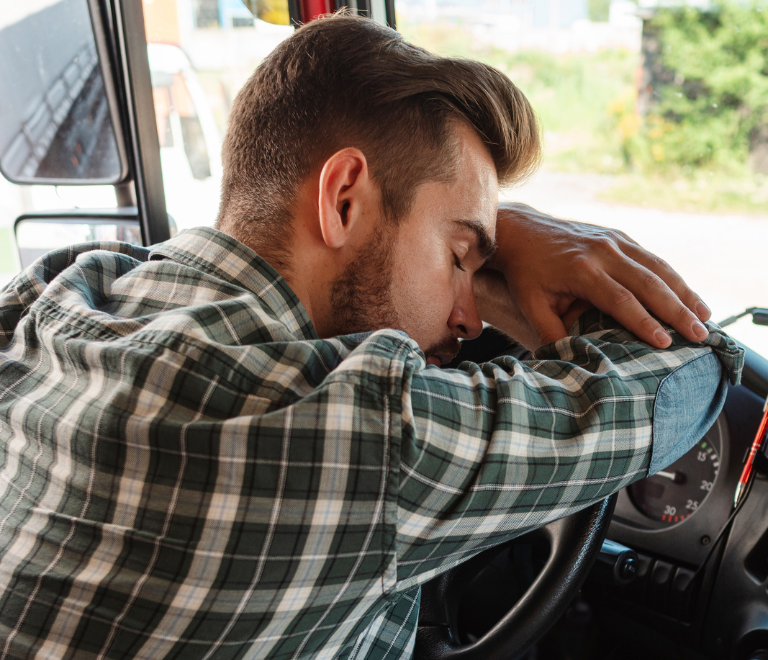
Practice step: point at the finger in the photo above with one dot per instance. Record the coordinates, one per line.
(543, 318)
(572, 314)
(654, 294)
(611, 297)
(670, 277)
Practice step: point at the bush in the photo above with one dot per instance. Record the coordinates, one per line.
(716, 102)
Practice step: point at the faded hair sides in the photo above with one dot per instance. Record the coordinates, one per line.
(345, 81)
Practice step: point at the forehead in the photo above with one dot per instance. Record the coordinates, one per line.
(467, 202)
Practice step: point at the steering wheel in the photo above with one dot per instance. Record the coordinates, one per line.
(574, 544)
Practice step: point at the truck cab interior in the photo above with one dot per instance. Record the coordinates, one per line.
(668, 568)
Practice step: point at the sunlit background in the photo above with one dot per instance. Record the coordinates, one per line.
(654, 116)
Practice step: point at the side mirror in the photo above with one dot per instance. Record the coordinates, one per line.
(39, 233)
(59, 117)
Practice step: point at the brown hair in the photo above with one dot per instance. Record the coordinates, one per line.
(345, 81)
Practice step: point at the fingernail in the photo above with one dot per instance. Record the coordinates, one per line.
(702, 311)
(662, 338)
(699, 329)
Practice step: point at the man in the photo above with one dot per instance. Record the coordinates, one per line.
(207, 452)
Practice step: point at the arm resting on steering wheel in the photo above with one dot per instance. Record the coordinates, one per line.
(492, 451)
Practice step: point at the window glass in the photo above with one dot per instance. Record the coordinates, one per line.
(36, 237)
(55, 117)
(654, 117)
(200, 54)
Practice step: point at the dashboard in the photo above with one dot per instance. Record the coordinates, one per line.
(701, 586)
(702, 581)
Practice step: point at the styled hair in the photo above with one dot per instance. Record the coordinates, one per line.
(345, 81)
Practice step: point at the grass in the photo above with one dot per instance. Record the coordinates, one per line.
(585, 104)
(700, 193)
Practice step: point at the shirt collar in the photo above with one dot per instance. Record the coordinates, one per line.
(220, 255)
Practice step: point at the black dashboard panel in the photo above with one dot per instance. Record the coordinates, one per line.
(687, 541)
(709, 596)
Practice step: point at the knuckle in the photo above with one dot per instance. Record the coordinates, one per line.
(649, 324)
(622, 297)
(585, 266)
(682, 313)
(652, 281)
(657, 263)
(623, 235)
(605, 242)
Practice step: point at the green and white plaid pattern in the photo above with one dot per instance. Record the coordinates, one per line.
(188, 471)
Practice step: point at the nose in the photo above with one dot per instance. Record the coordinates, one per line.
(465, 321)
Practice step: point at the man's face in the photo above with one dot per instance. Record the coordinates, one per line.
(417, 277)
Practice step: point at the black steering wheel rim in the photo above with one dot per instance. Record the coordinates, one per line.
(574, 544)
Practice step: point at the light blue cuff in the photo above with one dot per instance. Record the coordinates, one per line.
(687, 404)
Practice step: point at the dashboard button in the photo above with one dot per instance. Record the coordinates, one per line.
(628, 569)
(658, 585)
(680, 602)
(635, 590)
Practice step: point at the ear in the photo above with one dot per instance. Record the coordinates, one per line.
(345, 189)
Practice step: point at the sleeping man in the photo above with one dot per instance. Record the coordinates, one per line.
(240, 443)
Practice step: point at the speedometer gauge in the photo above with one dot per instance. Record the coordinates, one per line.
(674, 494)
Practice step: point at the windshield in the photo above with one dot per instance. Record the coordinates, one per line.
(654, 118)
(655, 122)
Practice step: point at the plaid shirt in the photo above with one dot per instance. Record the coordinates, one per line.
(188, 471)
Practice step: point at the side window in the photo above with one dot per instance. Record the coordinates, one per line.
(56, 125)
(56, 122)
(200, 54)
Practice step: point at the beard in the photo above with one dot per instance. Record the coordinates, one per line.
(361, 297)
(447, 349)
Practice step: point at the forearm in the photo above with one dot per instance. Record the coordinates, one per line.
(511, 445)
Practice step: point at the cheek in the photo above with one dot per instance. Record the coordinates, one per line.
(423, 298)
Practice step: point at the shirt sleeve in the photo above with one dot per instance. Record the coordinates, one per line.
(494, 450)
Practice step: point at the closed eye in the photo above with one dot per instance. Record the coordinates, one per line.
(457, 261)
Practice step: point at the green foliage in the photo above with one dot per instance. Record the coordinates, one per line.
(571, 94)
(598, 10)
(586, 105)
(699, 192)
(717, 98)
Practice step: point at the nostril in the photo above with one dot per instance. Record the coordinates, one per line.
(463, 329)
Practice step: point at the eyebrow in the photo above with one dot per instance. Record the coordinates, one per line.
(486, 244)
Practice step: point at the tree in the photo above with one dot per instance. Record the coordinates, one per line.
(716, 106)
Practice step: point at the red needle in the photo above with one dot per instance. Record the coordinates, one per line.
(758, 441)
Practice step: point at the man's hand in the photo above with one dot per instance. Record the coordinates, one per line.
(554, 269)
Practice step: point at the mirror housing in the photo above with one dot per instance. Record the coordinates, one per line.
(38, 233)
(59, 115)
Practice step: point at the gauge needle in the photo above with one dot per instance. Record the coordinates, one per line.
(677, 477)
